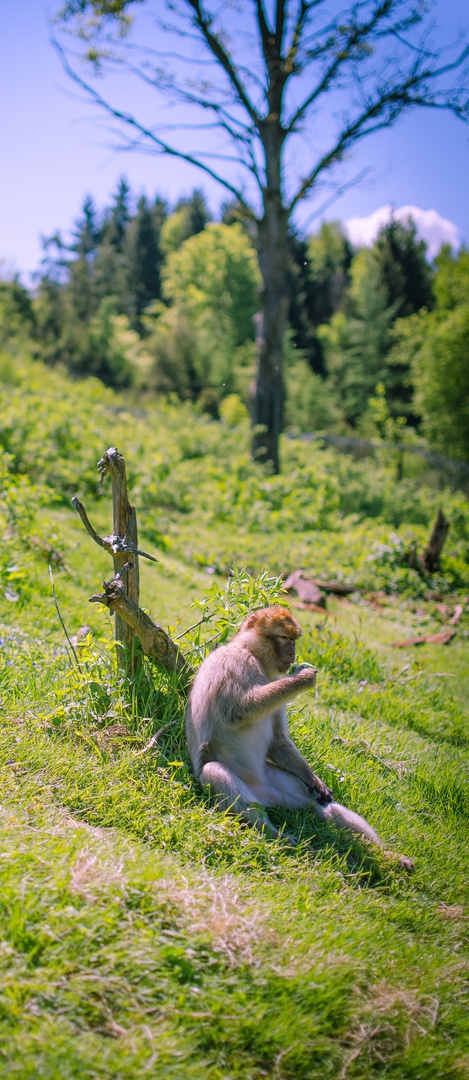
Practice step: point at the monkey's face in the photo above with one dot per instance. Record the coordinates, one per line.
(284, 651)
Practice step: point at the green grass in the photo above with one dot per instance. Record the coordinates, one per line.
(143, 933)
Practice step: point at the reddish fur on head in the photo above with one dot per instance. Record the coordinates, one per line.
(273, 620)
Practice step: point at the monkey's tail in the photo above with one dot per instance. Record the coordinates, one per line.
(346, 819)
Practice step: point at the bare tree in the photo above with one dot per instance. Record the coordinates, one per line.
(288, 86)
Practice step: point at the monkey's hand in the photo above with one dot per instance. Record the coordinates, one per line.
(303, 673)
(318, 788)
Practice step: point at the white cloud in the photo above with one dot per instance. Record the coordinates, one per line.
(431, 227)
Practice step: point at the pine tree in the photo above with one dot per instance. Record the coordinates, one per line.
(142, 262)
(390, 281)
(196, 213)
(119, 216)
(402, 267)
(319, 274)
(87, 233)
(85, 241)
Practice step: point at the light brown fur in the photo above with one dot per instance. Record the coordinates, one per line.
(237, 729)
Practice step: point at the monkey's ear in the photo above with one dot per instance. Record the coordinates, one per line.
(250, 621)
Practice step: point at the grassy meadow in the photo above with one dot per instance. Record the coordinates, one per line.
(142, 933)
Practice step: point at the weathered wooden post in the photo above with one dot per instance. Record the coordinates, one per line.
(124, 525)
(121, 595)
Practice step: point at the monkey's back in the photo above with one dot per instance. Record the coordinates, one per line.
(225, 675)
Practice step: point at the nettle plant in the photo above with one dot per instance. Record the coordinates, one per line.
(223, 609)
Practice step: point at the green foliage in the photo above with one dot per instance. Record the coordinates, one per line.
(143, 258)
(312, 403)
(223, 609)
(215, 274)
(211, 282)
(53, 434)
(441, 378)
(435, 345)
(329, 257)
(390, 280)
(199, 495)
(25, 543)
(190, 216)
(16, 313)
(451, 283)
(233, 411)
(111, 267)
(356, 345)
(190, 288)
(402, 267)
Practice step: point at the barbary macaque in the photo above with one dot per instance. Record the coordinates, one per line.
(237, 728)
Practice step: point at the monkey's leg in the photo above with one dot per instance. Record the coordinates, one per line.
(346, 819)
(283, 752)
(285, 790)
(288, 791)
(352, 823)
(234, 797)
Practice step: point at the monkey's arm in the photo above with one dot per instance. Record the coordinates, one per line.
(260, 700)
(283, 752)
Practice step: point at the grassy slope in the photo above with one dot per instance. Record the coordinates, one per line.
(144, 932)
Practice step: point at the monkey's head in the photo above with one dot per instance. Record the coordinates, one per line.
(273, 632)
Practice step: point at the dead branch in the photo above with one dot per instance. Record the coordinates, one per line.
(114, 545)
(156, 643)
(443, 637)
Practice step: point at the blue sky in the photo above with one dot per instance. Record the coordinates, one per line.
(54, 150)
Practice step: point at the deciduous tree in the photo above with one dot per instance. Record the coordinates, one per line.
(290, 86)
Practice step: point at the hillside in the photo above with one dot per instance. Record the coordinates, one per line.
(141, 931)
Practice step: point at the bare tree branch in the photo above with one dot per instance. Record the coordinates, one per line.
(130, 120)
(343, 53)
(215, 46)
(381, 112)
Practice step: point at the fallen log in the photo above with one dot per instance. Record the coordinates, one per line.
(443, 637)
(338, 588)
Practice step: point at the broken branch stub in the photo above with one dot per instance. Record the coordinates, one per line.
(112, 544)
(156, 643)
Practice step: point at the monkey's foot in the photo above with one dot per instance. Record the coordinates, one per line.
(402, 861)
(406, 864)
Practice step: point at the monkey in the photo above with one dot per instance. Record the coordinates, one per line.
(237, 728)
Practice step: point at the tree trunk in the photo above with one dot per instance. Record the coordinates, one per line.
(432, 553)
(268, 397)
